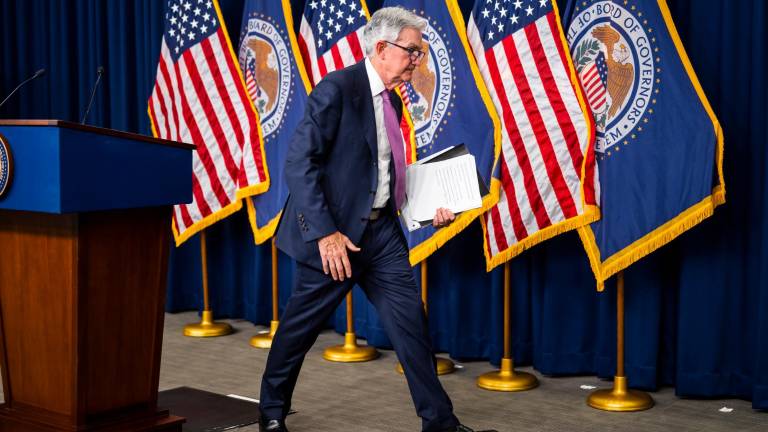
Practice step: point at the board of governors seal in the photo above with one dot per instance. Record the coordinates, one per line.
(6, 165)
(613, 53)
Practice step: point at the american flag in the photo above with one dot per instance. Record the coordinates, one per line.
(331, 35)
(546, 134)
(593, 78)
(408, 93)
(200, 97)
(254, 91)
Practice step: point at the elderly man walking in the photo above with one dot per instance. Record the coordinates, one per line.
(345, 170)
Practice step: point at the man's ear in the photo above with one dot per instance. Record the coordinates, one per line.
(380, 47)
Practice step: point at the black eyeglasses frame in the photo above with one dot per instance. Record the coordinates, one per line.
(413, 53)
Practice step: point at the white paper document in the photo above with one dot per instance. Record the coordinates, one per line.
(450, 183)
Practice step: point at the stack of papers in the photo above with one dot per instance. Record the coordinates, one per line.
(446, 179)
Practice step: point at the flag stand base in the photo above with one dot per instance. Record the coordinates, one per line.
(620, 398)
(350, 352)
(207, 327)
(444, 366)
(264, 340)
(507, 379)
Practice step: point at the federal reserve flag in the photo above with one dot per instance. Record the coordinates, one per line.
(200, 97)
(449, 105)
(547, 157)
(278, 85)
(659, 145)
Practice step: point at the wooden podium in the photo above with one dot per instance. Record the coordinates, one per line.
(84, 238)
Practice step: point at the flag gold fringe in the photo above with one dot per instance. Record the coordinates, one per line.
(252, 190)
(649, 242)
(365, 9)
(591, 214)
(264, 233)
(205, 222)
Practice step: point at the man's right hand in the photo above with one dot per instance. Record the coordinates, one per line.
(333, 253)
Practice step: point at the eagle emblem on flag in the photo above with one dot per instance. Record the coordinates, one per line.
(265, 57)
(615, 59)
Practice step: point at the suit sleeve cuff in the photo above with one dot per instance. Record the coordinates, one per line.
(316, 226)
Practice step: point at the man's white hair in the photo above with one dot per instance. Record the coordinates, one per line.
(386, 24)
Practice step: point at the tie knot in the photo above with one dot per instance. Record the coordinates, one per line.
(385, 95)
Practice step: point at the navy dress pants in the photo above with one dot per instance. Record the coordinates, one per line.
(382, 270)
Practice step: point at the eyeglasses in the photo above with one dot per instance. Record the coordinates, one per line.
(414, 53)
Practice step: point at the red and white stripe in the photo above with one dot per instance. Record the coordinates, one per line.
(593, 86)
(404, 94)
(201, 99)
(346, 52)
(250, 84)
(545, 133)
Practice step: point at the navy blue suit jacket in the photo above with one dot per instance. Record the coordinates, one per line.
(331, 166)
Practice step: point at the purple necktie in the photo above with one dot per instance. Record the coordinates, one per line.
(396, 143)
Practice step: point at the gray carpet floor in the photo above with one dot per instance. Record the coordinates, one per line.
(372, 397)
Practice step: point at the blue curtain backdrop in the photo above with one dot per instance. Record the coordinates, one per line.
(696, 311)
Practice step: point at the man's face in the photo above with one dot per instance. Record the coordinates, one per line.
(397, 61)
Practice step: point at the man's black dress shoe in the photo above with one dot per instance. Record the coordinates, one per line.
(272, 426)
(462, 428)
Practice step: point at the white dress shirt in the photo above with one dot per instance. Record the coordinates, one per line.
(382, 142)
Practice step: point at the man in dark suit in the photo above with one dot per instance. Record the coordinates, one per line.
(345, 170)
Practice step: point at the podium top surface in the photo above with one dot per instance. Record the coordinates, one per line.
(95, 129)
(63, 167)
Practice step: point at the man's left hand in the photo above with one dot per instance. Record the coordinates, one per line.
(443, 217)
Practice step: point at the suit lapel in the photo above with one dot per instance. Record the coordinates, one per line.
(363, 102)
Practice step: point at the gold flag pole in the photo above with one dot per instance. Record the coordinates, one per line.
(444, 365)
(507, 379)
(264, 340)
(620, 398)
(350, 352)
(206, 327)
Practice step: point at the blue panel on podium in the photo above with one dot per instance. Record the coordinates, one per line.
(61, 167)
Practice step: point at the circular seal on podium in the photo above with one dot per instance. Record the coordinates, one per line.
(6, 165)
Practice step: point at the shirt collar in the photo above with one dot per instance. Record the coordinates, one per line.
(377, 85)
